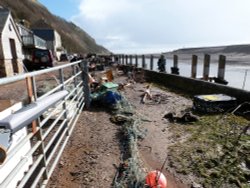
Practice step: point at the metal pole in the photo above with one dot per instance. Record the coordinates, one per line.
(63, 88)
(245, 78)
(85, 78)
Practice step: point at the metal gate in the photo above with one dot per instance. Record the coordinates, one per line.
(48, 125)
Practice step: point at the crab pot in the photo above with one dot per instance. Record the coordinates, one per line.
(214, 103)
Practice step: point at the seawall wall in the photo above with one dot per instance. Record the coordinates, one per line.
(193, 87)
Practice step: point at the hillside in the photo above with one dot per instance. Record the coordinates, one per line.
(74, 39)
(235, 54)
(236, 49)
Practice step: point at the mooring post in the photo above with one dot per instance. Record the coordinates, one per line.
(175, 61)
(130, 57)
(221, 67)
(123, 59)
(151, 62)
(175, 69)
(206, 67)
(194, 66)
(143, 61)
(136, 61)
(119, 59)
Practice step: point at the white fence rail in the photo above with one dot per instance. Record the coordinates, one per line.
(29, 160)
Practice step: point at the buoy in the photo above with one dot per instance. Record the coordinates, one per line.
(156, 179)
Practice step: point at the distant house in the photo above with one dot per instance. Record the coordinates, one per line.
(30, 42)
(10, 45)
(53, 40)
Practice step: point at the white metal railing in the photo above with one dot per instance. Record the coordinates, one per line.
(48, 134)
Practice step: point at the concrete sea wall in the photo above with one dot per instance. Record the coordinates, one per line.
(192, 86)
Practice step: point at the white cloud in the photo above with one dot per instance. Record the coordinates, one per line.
(159, 25)
(100, 10)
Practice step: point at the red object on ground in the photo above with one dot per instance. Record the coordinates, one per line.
(156, 179)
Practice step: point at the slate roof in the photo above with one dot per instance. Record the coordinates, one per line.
(4, 13)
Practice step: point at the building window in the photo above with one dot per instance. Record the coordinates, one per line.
(10, 27)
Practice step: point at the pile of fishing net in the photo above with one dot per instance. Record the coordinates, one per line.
(130, 172)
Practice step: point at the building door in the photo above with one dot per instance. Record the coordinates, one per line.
(14, 55)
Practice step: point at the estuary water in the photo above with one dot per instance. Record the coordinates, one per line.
(237, 75)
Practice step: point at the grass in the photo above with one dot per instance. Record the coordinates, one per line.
(217, 151)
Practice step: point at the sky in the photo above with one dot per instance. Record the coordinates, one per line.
(155, 26)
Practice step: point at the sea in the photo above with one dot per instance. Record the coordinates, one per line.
(237, 75)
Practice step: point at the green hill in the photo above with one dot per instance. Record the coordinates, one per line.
(74, 39)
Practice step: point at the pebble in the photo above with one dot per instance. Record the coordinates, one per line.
(196, 185)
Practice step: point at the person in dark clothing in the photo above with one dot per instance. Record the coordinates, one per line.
(162, 64)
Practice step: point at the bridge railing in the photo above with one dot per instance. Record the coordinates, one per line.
(40, 130)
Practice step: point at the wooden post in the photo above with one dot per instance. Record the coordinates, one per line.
(175, 61)
(126, 59)
(130, 59)
(151, 62)
(123, 61)
(206, 67)
(31, 97)
(120, 59)
(194, 66)
(30, 82)
(143, 62)
(136, 60)
(175, 69)
(221, 67)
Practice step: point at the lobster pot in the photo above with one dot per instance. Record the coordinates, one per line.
(213, 103)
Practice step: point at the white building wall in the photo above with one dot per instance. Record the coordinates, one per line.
(58, 41)
(58, 45)
(10, 32)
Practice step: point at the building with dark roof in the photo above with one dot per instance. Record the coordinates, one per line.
(10, 45)
(52, 38)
